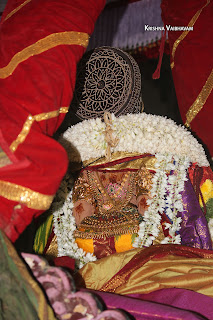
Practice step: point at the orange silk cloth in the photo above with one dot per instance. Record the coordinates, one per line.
(192, 63)
(146, 270)
(41, 43)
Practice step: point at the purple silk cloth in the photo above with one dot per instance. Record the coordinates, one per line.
(181, 298)
(194, 228)
(151, 310)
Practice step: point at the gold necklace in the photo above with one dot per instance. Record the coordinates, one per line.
(112, 217)
(106, 206)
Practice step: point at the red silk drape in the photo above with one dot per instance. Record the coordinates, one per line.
(192, 62)
(41, 42)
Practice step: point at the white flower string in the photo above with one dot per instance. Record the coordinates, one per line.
(174, 204)
(165, 197)
(174, 148)
(64, 227)
(141, 133)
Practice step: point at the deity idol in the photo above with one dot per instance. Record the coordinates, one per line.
(141, 175)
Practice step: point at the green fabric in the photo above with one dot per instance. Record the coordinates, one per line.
(17, 299)
(21, 297)
(42, 235)
(209, 209)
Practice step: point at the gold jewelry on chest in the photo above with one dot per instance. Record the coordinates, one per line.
(107, 202)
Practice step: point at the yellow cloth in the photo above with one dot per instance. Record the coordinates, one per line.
(95, 274)
(166, 272)
(123, 242)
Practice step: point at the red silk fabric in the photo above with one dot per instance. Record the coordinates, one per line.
(192, 60)
(40, 83)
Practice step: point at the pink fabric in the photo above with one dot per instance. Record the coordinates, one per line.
(181, 298)
(61, 292)
(175, 308)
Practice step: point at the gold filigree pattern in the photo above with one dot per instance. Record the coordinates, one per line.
(125, 221)
(184, 34)
(82, 191)
(114, 215)
(143, 181)
(32, 199)
(16, 9)
(42, 45)
(200, 101)
(28, 124)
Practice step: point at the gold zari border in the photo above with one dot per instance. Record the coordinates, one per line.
(28, 124)
(16, 9)
(32, 199)
(184, 34)
(42, 45)
(200, 101)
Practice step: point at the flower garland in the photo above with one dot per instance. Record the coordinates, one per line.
(165, 193)
(141, 133)
(165, 198)
(64, 227)
(174, 148)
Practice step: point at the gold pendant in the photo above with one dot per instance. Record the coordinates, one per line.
(107, 205)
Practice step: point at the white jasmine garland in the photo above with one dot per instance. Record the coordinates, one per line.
(64, 227)
(141, 133)
(174, 148)
(165, 197)
(166, 191)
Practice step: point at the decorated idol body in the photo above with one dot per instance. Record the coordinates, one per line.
(141, 195)
(141, 174)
